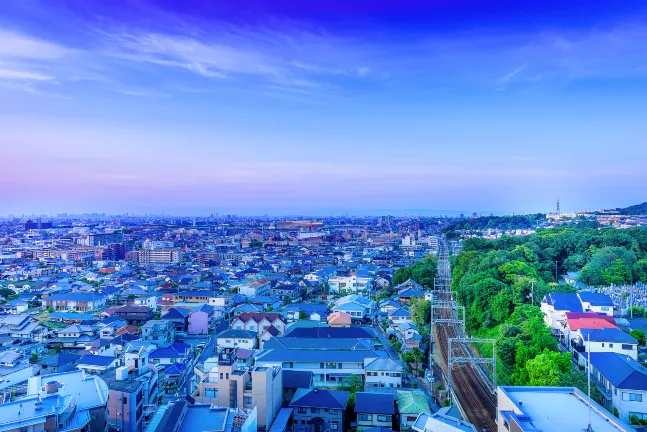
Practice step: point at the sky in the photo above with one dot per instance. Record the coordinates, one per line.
(321, 107)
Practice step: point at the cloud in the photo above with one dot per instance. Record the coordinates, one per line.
(513, 73)
(16, 45)
(23, 75)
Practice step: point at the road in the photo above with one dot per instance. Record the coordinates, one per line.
(394, 355)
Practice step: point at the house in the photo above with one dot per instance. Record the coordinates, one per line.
(159, 332)
(399, 316)
(321, 276)
(374, 410)
(441, 422)
(76, 336)
(382, 372)
(14, 369)
(61, 362)
(235, 338)
(408, 335)
(22, 326)
(174, 353)
(96, 363)
(246, 307)
(406, 295)
(148, 301)
(388, 305)
(330, 367)
(330, 332)
(294, 380)
(319, 410)
(410, 404)
(575, 321)
(356, 306)
(312, 311)
(259, 322)
(596, 302)
(74, 301)
(339, 319)
(351, 283)
(555, 305)
(179, 317)
(136, 315)
(602, 340)
(254, 288)
(201, 319)
(623, 383)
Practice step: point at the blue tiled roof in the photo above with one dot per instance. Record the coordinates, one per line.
(374, 403)
(331, 332)
(596, 299)
(319, 398)
(96, 360)
(340, 356)
(621, 371)
(296, 379)
(564, 302)
(607, 335)
(236, 333)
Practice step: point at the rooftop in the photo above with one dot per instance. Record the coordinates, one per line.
(557, 409)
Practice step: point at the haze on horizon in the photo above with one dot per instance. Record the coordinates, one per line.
(284, 107)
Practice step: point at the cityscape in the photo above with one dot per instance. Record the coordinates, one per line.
(282, 216)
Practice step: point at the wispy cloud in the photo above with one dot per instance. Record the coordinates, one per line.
(13, 74)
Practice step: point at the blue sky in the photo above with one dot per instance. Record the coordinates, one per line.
(321, 107)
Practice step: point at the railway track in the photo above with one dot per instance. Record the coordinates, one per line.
(474, 394)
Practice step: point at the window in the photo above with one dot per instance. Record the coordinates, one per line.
(633, 397)
(248, 400)
(610, 345)
(332, 411)
(641, 416)
(302, 410)
(314, 410)
(383, 418)
(627, 347)
(221, 375)
(334, 425)
(321, 365)
(364, 417)
(125, 400)
(602, 344)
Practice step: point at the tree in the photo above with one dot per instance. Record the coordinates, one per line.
(33, 358)
(618, 273)
(639, 335)
(506, 350)
(420, 313)
(548, 368)
(303, 315)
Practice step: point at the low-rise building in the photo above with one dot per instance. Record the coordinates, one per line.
(382, 372)
(374, 410)
(319, 410)
(552, 409)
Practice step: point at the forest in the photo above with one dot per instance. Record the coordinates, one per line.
(498, 222)
(501, 283)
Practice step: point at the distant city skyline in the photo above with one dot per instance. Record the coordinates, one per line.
(286, 107)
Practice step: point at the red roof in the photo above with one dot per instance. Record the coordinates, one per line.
(589, 323)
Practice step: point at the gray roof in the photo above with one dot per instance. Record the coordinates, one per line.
(382, 364)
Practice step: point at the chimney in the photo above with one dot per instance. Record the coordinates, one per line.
(52, 387)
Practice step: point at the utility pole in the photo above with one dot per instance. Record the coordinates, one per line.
(532, 292)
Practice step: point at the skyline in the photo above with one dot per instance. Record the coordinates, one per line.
(286, 108)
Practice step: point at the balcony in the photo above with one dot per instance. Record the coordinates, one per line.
(577, 347)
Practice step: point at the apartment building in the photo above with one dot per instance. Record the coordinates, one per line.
(159, 256)
(260, 387)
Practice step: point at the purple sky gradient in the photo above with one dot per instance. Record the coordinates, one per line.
(321, 107)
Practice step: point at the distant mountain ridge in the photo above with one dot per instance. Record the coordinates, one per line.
(638, 209)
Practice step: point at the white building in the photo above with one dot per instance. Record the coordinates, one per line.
(382, 372)
(623, 383)
(551, 409)
(350, 283)
(234, 338)
(611, 340)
